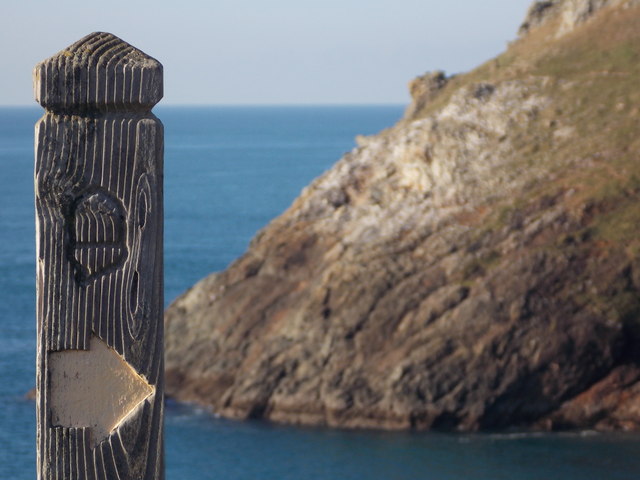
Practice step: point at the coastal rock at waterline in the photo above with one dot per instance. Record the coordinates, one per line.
(476, 266)
(613, 403)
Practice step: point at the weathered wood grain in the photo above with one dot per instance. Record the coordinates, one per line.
(98, 185)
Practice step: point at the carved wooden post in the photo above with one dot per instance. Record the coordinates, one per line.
(98, 182)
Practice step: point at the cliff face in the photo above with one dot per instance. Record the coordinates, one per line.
(475, 266)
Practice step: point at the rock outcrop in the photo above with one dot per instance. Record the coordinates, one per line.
(424, 89)
(476, 266)
(567, 14)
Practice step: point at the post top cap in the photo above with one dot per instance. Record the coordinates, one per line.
(98, 72)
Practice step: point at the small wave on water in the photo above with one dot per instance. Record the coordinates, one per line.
(540, 434)
(187, 412)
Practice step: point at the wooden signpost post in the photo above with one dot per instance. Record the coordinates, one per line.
(98, 183)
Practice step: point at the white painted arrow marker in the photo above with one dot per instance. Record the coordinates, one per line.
(93, 388)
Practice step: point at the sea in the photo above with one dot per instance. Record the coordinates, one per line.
(228, 172)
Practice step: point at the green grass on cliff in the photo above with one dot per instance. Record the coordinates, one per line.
(592, 76)
(586, 140)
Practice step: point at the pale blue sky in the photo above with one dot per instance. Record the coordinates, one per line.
(269, 51)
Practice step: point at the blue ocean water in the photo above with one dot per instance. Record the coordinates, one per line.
(228, 171)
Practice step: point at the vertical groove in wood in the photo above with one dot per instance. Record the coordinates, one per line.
(99, 267)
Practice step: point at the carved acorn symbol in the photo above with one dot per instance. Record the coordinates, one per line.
(97, 235)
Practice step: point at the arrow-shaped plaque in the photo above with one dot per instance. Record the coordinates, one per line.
(94, 388)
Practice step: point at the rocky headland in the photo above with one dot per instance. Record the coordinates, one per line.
(476, 266)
